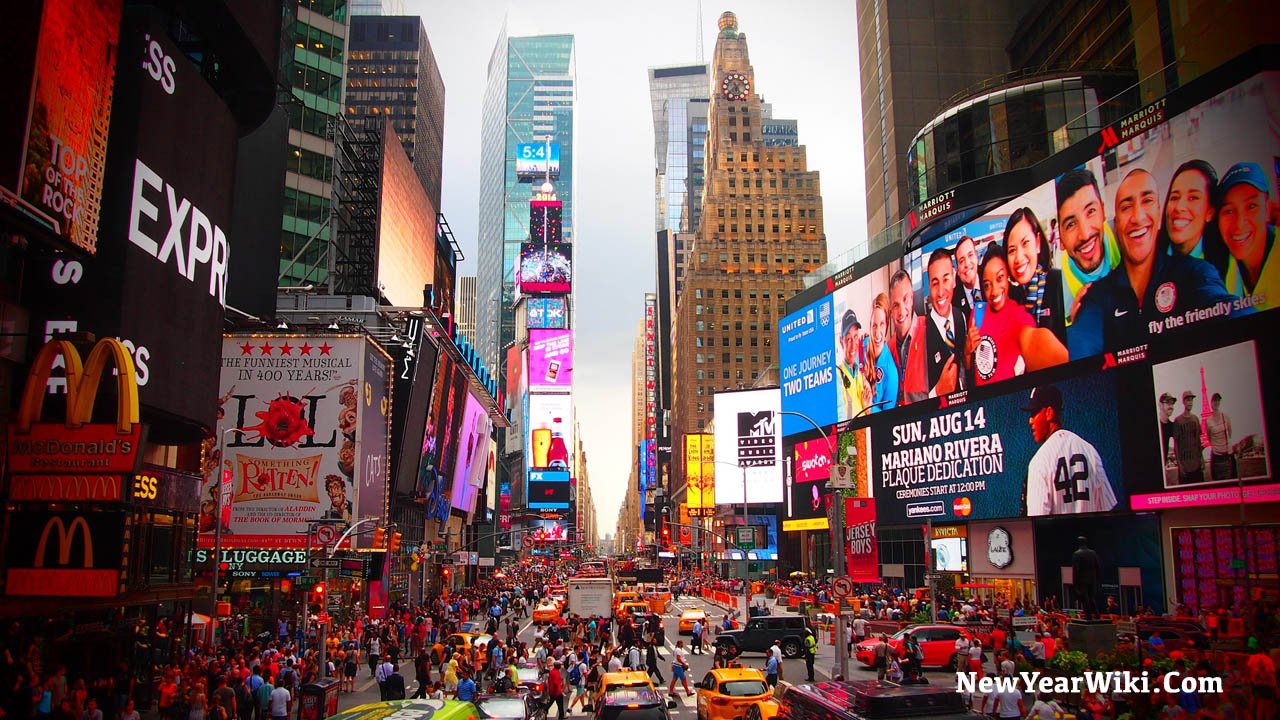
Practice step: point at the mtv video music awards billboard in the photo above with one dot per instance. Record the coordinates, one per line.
(1050, 450)
(748, 437)
(550, 361)
(535, 160)
(545, 269)
(291, 409)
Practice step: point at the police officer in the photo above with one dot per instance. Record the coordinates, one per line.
(810, 652)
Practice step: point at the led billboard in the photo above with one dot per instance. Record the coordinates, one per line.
(548, 490)
(535, 160)
(550, 439)
(1051, 450)
(545, 269)
(1171, 203)
(300, 443)
(544, 221)
(700, 473)
(550, 361)
(550, 313)
(60, 71)
(748, 440)
(472, 456)
(406, 260)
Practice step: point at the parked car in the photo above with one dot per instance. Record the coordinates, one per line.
(760, 632)
(937, 641)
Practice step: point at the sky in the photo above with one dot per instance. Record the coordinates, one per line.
(805, 58)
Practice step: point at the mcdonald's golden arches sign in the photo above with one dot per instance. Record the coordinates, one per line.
(64, 554)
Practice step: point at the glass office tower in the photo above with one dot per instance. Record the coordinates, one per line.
(530, 95)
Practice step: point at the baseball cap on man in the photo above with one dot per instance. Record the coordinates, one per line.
(1043, 397)
(849, 320)
(1244, 173)
(1188, 394)
(1167, 398)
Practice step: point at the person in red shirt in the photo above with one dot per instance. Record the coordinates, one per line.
(555, 689)
(1007, 343)
(908, 346)
(1050, 646)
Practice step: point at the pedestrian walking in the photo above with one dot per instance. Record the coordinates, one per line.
(679, 668)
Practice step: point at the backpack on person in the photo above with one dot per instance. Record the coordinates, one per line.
(575, 674)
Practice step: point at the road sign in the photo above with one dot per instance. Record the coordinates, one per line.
(326, 535)
(527, 541)
(1237, 565)
(842, 586)
(1024, 621)
(323, 563)
(1127, 627)
(932, 576)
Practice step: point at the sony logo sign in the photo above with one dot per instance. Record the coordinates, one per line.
(203, 243)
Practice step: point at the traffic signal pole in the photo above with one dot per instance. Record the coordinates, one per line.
(323, 649)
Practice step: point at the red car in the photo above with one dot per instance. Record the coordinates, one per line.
(937, 641)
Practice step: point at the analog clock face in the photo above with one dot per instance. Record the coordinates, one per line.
(735, 86)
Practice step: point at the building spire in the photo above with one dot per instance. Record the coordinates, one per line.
(699, 24)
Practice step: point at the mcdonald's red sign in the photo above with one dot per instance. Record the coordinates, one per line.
(64, 554)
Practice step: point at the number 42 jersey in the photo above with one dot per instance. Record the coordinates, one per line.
(1066, 476)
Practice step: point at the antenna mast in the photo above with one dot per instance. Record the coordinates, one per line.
(700, 59)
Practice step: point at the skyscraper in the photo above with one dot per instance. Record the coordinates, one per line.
(464, 312)
(314, 74)
(530, 95)
(913, 57)
(392, 73)
(377, 7)
(679, 96)
(761, 231)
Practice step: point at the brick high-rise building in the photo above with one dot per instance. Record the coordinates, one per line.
(761, 231)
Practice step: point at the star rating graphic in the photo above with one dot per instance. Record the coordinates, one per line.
(265, 347)
(286, 349)
(325, 348)
(304, 348)
(246, 349)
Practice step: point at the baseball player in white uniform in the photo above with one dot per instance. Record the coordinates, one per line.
(1066, 475)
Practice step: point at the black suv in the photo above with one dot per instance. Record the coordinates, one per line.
(760, 632)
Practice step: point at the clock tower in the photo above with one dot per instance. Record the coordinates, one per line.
(759, 233)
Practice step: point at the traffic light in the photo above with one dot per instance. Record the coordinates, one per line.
(666, 534)
(379, 537)
(318, 592)
(444, 572)
(394, 547)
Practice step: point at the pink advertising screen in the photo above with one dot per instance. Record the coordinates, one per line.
(550, 360)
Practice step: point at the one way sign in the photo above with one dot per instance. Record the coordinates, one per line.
(323, 563)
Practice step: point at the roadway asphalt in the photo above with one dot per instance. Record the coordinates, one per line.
(686, 705)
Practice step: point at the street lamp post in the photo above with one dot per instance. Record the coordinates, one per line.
(836, 520)
(217, 530)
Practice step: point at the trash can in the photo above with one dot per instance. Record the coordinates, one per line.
(318, 700)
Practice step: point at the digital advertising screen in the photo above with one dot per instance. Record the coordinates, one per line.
(61, 56)
(1211, 428)
(748, 438)
(809, 498)
(550, 361)
(535, 160)
(545, 269)
(550, 438)
(1162, 230)
(1050, 450)
(700, 473)
(544, 221)
(472, 456)
(549, 313)
(548, 490)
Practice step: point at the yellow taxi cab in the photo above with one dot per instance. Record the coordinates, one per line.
(689, 617)
(622, 596)
(628, 610)
(729, 693)
(625, 679)
(658, 597)
(463, 642)
(546, 611)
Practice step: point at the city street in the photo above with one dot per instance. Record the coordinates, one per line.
(793, 669)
